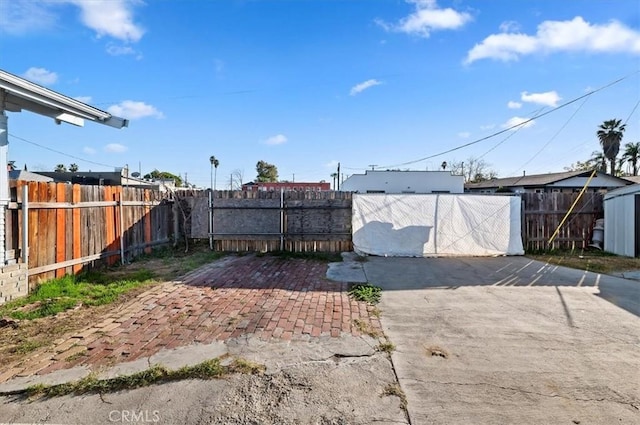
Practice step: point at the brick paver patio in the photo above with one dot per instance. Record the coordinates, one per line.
(265, 296)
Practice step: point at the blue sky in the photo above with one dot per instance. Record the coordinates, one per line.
(305, 84)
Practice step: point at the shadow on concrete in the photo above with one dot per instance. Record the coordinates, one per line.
(454, 272)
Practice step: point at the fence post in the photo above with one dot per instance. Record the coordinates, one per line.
(25, 225)
(122, 257)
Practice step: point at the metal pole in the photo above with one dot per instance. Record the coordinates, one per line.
(211, 207)
(211, 220)
(25, 225)
(281, 219)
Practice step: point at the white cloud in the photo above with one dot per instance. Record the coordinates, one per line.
(509, 26)
(41, 76)
(549, 98)
(115, 148)
(464, 134)
(576, 35)
(88, 150)
(514, 105)
(19, 17)
(117, 50)
(113, 18)
(517, 121)
(83, 99)
(332, 164)
(426, 18)
(359, 88)
(278, 139)
(487, 127)
(134, 110)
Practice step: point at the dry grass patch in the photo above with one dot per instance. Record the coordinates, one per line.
(395, 390)
(590, 260)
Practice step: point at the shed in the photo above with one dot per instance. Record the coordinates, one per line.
(622, 221)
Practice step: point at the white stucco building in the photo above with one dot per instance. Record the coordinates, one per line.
(373, 181)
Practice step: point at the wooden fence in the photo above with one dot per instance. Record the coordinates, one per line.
(296, 221)
(69, 226)
(543, 212)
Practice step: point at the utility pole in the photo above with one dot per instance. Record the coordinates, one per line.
(294, 178)
(338, 176)
(373, 166)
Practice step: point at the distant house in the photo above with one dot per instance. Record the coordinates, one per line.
(374, 181)
(24, 175)
(277, 186)
(118, 177)
(566, 182)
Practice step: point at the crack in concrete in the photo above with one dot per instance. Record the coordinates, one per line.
(389, 421)
(634, 404)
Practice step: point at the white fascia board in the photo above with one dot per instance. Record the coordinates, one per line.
(28, 95)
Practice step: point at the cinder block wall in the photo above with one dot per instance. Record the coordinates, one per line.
(13, 282)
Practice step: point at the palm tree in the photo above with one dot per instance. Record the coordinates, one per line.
(610, 135)
(444, 165)
(73, 167)
(60, 168)
(630, 155)
(214, 164)
(334, 176)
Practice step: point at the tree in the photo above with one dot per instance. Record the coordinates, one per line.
(610, 135)
(266, 172)
(214, 167)
(473, 170)
(73, 167)
(334, 176)
(630, 155)
(597, 161)
(443, 165)
(163, 175)
(235, 179)
(60, 168)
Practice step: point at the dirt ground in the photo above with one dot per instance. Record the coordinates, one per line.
(26, 336)
(322, 391)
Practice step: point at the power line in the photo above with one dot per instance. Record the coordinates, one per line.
(497, 133)
(509, 136)
(554, 136)
(61, 153)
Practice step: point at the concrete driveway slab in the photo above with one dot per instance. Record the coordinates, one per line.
(510, 340)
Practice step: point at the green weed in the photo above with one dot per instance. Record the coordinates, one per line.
(365, 292)
(208, 369)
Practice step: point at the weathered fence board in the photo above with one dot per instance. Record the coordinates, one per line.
(71, 226)
(543, 212)
(269, 221)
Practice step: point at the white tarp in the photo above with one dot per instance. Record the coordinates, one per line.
(408, 225)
